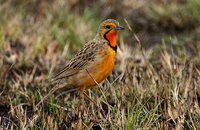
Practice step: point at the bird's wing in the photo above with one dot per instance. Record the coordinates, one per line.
(81, 59)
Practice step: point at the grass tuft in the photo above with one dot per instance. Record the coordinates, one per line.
(155, 83)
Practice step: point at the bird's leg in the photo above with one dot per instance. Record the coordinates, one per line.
(81, 97)
(81, 107)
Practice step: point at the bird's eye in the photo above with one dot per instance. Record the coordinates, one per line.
(108, 26)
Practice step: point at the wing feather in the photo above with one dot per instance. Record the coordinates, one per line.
(81, 59)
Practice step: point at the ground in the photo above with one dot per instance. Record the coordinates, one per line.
(155, 83)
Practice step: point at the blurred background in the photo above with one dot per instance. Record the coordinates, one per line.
(73, 22)
(37, 35)
(29, 29)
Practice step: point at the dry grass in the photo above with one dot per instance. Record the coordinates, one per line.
(155, 83)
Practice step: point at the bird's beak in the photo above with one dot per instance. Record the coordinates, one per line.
(119, 28)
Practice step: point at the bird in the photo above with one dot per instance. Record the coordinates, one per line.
(94, 62)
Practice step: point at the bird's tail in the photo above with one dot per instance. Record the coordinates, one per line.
(58, 90)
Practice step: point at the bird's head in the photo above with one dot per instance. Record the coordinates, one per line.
(108, 30)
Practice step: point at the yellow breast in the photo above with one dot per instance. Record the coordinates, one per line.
(99, 70)
(105, 67)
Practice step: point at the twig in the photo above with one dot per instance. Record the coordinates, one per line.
(96, 84)
(140, 46)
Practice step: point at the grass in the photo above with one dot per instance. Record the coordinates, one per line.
(155, 83)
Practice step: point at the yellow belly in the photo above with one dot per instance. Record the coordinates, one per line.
(103, 69)
(98, 71)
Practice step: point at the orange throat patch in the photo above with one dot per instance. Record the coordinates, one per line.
(112, 36)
